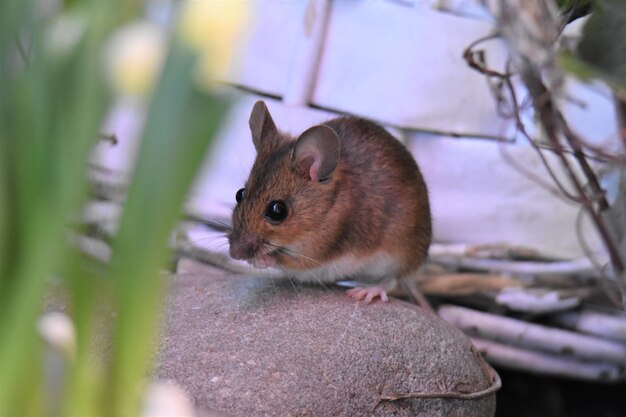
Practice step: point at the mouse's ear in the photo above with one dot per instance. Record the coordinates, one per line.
(264, 131)
(317, 152)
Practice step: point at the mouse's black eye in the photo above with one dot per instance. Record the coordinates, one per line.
(276, 211)
(239, 196)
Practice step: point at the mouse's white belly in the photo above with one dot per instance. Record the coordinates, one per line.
(373, 269)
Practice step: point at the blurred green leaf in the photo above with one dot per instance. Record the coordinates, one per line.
(13, 14)
(570, 63)
(564, 4)
(52, 105)
(603, 43)
(50, 113)
(180, 124)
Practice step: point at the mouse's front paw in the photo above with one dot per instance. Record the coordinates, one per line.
(368, 294)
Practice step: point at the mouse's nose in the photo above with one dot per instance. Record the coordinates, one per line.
(244, 248)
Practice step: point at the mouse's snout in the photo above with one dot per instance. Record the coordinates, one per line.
(244, 247)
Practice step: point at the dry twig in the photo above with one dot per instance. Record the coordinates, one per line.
(591, 198)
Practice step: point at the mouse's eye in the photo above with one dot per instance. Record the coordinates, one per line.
(239, 196)
(276, 211)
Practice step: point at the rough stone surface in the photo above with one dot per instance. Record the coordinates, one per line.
(246, 346)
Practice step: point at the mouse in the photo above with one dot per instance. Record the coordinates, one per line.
(344, 200)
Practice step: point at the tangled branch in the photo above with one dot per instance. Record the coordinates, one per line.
(562, 142)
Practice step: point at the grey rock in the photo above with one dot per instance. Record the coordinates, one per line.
(245, 346)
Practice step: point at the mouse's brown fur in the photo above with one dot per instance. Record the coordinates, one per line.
(374, 201)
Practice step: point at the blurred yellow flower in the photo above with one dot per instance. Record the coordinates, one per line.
(134, 56)
(212, 28)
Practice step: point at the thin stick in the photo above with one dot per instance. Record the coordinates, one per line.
(620, 110)
(575, 143)
(469, 55)
(553, 123)
(550, 120)
(495, 386)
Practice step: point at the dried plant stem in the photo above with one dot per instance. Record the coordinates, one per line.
(470, 57)
(520, 333)
(575, 143)
(554, 125)
(538, 362)
(496, 384)
(605, 281)
(552, 122)
(620, 109)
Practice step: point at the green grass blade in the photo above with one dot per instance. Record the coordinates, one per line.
(179, 127)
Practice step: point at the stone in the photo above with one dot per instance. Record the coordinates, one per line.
(247, 346)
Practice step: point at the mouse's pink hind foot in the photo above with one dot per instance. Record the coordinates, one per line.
(368, 294)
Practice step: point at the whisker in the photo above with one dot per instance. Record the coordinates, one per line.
(293, 285)
(319, 281)
(295, 254)
(195, 242)
(213, 224)
(271, 276)
(292, 253)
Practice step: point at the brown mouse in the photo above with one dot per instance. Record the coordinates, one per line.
(344, 200)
